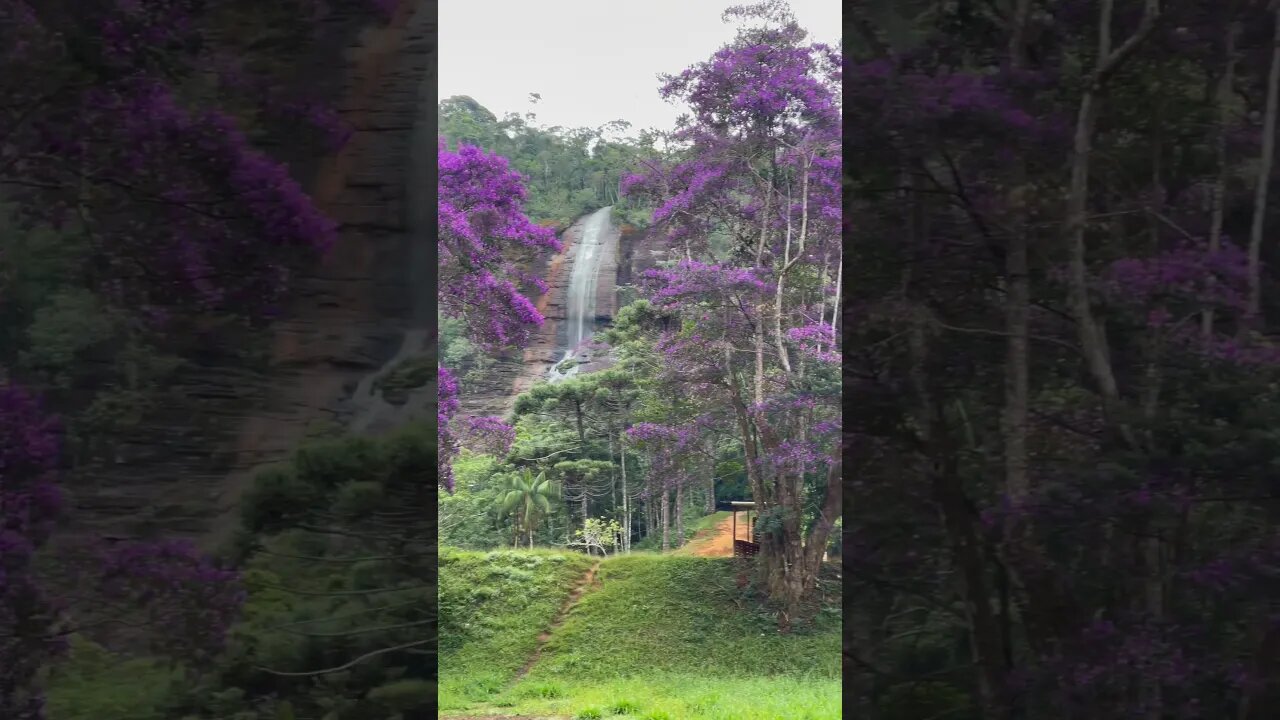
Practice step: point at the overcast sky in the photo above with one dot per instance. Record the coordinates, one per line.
(591, 60)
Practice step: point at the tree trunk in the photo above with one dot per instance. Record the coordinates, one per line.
(1091, 333)
(1017, 301)
(758, 383)
(650, 516)
(679, 513)
(666, 517)
(613, 479)
(626, 509)
(582, 433)
(1223, 99)
(711, 490)
(1264, 178)
(835, 311)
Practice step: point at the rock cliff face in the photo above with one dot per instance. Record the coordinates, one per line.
(366, 309)
(229, 416)
(627, 254)
(495, 393)
(369, 303)
(639, 250)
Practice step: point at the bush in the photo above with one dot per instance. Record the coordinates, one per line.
(404, 695)
(275, 499)
(334, 462)
(624, 707)
(93, 684)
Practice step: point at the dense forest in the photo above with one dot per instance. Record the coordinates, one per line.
(158, 229)
(722, 381)
(715, 379)
(1061, 379)
(567, 171)
(578, 422)
(1041, 233)
(153, 225)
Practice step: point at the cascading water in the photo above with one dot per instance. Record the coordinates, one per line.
(580, 303)
(371, 411)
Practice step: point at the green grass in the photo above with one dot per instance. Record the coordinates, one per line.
(493, 606)
(674, 637)
(687, 696)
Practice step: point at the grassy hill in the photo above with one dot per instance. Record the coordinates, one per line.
(654, 637)
(493, 606)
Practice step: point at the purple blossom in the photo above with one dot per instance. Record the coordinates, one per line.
(488, 435)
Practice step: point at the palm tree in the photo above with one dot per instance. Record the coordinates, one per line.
(529, 498)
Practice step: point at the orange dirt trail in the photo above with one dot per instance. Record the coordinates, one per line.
(716, 541)
(587, 581)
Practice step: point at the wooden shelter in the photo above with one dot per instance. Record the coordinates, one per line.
(747, 546)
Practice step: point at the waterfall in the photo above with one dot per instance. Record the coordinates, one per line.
(371, 412)
(580, 302)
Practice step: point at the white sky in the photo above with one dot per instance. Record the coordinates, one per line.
(591, 60)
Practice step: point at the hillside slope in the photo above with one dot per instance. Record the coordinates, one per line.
(654, 637)
(493, 606)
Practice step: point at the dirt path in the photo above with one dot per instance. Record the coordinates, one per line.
(587, 581)
(716, 541)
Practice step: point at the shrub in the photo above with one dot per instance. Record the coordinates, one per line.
(331, 463)
(274, 500)
(624, 707)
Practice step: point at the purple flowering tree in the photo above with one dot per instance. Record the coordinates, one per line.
(186, 602)
(484, 238)
(762, 150)
(1061, 402)
(119, 142)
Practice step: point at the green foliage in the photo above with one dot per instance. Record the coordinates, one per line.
(38, 264)
(692, 526)
(570, 171)
(72, 323)
(599, 532)
(403, 695)
(330, 463)
(470, 517)
(541, 690)
(276, 498)
(624, 707)
(358, 499)
(409, 374)
(528, 498)
(319, 599)
(94, 684)
(589, 714)
(924, 700)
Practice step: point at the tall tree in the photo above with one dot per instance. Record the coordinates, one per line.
(761, 157)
